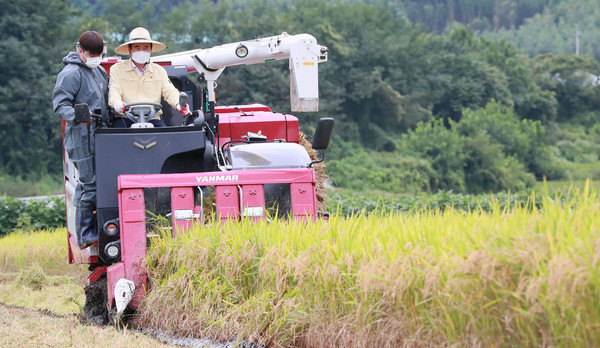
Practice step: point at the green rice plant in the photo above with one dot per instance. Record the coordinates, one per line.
(504, 275)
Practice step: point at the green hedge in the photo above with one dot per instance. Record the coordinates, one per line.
(31, 215)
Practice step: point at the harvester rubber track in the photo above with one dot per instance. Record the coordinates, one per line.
(95, 309)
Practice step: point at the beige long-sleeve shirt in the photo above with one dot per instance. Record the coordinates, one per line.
(128, 86)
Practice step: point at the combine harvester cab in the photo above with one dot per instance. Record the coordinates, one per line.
(236, 161)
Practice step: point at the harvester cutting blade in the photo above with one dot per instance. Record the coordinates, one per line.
(123, 294)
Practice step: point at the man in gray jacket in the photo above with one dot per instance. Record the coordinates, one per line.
(82, 80)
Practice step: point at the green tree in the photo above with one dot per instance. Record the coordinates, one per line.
(393, 172)
(32, 39)
(528, 99)
(460, 78)
(489, 169)
(553, 29)
(482, 14)
(524, 140)
(488, 150)
(444, 148)
(573, 80)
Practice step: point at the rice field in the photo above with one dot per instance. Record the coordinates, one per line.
(520, 274)
(45, 248)
(503, 273)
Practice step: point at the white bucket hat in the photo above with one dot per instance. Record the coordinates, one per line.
(140, 35)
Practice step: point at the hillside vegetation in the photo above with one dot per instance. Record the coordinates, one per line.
(469, 96)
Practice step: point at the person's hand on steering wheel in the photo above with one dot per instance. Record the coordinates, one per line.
(120, 106)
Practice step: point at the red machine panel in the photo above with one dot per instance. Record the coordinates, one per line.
(233, 124)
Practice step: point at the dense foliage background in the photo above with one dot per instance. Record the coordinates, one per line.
(469, 96)
(27, 216)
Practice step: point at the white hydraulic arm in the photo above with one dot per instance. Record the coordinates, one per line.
(302, 50)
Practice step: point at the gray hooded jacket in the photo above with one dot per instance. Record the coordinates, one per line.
(76, 84)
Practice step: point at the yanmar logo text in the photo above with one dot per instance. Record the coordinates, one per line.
(213, 178)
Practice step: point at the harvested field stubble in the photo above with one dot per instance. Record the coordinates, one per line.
(521, 276)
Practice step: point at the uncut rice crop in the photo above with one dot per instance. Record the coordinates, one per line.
(47, 248)
(498, 277)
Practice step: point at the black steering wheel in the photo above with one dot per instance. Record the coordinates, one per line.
(141, 114)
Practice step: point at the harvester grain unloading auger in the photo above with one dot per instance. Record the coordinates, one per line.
(302, 50)
(245, 157)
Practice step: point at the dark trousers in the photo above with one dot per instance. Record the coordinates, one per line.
(82, 158)
(122, 122)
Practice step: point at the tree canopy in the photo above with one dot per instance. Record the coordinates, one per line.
(456, 85)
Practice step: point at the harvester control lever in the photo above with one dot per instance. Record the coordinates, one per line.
(183, 99)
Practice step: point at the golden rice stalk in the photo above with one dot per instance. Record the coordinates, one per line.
(319, 173)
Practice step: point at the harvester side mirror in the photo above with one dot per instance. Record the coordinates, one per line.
(82, 113)
(322, 137)
(323, 133)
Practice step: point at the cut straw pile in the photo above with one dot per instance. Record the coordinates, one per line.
(510, 277)
(320, 176)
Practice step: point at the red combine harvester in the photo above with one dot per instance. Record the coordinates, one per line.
(236, 161)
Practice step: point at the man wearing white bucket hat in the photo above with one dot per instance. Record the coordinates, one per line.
(139, 80)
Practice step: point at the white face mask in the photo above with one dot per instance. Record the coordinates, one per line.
(141, 57)
(93, 62)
